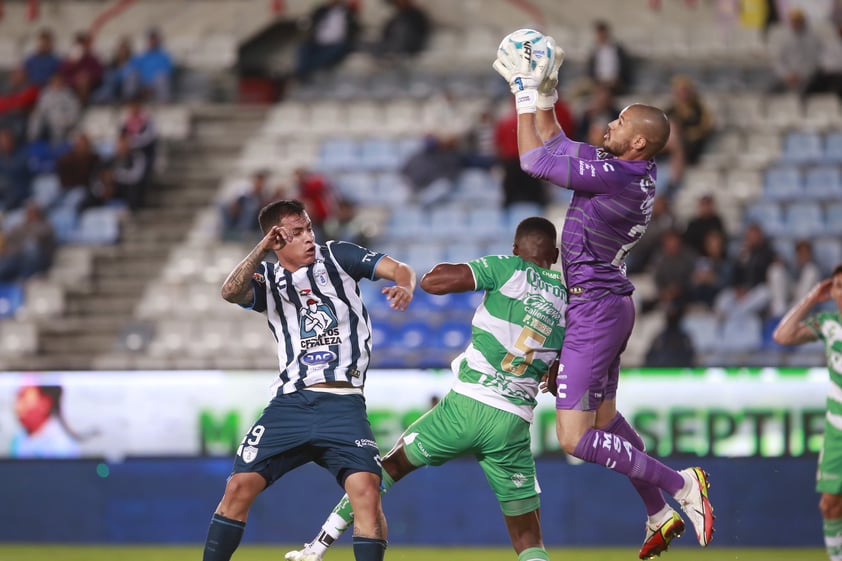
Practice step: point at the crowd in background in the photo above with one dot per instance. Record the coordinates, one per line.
(48, 165)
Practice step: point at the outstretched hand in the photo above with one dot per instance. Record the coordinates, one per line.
(820, 292)
(526, 83)
(398, 297)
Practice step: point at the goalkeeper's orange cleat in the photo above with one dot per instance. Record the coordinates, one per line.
(659, 536)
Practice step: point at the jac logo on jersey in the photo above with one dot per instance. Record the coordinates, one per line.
(315, 358)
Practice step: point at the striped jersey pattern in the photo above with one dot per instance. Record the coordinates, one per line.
(516, 333)
(828, 327)
(318, 317)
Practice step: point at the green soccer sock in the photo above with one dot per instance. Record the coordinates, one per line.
(340, 519)
(533, 554)
(833, 538)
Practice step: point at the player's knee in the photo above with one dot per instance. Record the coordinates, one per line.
(830, 506)
(568, 442)
(244, 487)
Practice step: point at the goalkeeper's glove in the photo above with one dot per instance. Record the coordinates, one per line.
(523, 81)
(548, 89)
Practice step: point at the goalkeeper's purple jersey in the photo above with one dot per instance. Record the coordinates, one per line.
(611, 206)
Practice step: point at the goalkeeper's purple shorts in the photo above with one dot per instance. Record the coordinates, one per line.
(596, 335)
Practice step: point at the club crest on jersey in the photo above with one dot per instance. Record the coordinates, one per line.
(259, 278)
(321, 275)
(249, 454)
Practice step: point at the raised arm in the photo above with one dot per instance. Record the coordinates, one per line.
(792, 330)
(237, 288)
(400, 294)
(446, 278)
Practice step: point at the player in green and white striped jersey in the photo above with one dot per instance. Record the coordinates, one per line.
(796, 328)
(516, 336)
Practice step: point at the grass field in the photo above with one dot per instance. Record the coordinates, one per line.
(344, 553)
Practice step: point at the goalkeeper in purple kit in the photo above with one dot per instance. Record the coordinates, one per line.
(613, 193)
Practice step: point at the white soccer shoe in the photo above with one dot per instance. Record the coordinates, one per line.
(696, 504)
(302, 555)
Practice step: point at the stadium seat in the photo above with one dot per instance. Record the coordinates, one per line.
(519, 211)
(782, 183)
(827, 253)
(490, 222)
(423, 255)
(408, 222)
(783, 111)
(803, 219)
(833, 218)
(767, 214)
(392, 189)
(741, 334)
(453, 336)
(802, 147)
(379, 154)
(833, 148)
(45, 189)
(18, 338)
(448, 222)
(340, 153)
(358, 186)
(64, 221)
(823, 183)
(11, 298)
(98, 226)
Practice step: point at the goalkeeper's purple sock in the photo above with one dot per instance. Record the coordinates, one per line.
(653, 498)
(224, 536)
(617, 453)
(369, 549)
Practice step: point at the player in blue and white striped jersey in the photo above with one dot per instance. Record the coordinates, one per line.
(312, 302)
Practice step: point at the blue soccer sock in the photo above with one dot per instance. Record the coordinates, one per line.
(369, 549)
(224, 536)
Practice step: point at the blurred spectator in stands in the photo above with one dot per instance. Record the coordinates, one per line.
(120, 78)
(82, 69)
(139, 126)
(788, 286)
(17, 99)
(239, 215)
(672, 347)
(15, 173)
(130, 172)
(663, 220)
(154, 68)
(432, 169)
(319, 199)
(759, 278)
(76, 172)
(104, 192)
(519, 186)
(56, 112)
(332, 28)
(795, 54)
(692, 120)
(479, 149)
(713, 270)
(406, 31)
(608, 63)
(28, 247)
(829, 76)
(347, 225)
(601, 110)
(705, 220)
(672, 269)
(44, 62)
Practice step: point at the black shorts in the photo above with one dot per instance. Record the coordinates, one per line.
(310, 426)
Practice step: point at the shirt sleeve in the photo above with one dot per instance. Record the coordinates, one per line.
(561, 145)
(488, 271)
(577, 174)
(359, 262)
(258, 284)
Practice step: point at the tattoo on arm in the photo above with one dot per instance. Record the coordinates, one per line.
(237, 288)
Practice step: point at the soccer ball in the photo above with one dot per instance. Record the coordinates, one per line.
(525, 43)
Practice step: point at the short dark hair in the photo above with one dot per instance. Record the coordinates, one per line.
(837, 270)
(536, 225)
(274, 212)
